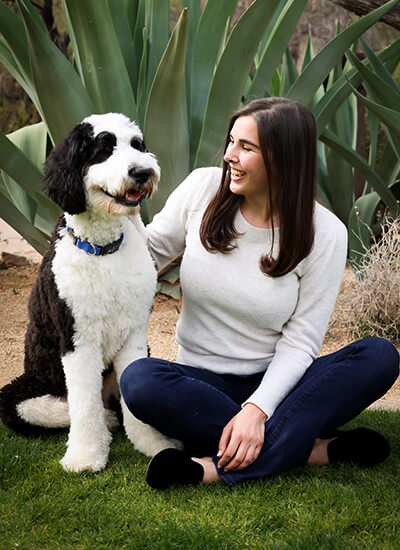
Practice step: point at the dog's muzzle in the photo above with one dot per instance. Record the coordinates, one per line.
(139, 186)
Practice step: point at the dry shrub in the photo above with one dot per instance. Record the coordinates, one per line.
(369, 304)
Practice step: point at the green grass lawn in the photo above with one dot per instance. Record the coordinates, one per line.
(42, 507)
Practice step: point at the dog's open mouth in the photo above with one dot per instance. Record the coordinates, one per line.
(130, 198)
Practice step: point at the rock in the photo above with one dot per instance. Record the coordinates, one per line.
(10, 260)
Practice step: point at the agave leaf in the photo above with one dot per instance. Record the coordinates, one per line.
(63, 98)
(14, 193)
(121, 17)
(157, 25)
(103, 68)
(14, 52)
(141, 89)
(389, 165)
(131, 8)
(230, 78)
(389, 117)
(339, 91)
(269, 29)
(340, 173)
(382, 91)
(13, 33)
(208, 41)
(8, 60)
(194, 14)
(360, 164)
(378, 66)
(31, 142)
(362, 218)
(166, 116)
(171, 276)
(71, 33)
(373, 127)
(276, 44)
(289, 72)
(11, 215)
(308, 57)
(318, 69)
(276, 83)
(21, 169)
(138, 34)
(173, 291)
(308, 53)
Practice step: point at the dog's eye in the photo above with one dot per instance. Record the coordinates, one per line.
(138, 144)
(106, 140)
(103, 147)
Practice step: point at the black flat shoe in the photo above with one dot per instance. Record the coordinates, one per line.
(361, 446)
(173, 467)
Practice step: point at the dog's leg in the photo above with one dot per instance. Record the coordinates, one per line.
(145, 438)
(89, 439)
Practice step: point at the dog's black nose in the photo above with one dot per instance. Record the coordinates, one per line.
(140, 175)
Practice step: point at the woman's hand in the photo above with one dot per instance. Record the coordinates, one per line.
(242, 438)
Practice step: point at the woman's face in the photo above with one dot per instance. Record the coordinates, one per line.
(246, 162)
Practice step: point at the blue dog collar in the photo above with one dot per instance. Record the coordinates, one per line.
(95, 249)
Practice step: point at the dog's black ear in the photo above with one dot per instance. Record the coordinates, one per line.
(63, 178)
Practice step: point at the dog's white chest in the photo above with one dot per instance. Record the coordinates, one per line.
(109, 296)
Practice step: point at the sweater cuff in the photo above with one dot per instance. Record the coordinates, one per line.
(266, 405)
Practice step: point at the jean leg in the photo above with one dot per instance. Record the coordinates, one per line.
(182, 402)
(335, 389)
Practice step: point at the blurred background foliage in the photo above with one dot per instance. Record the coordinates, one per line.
(181, 73)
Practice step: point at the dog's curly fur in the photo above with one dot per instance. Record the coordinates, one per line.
(86, 311)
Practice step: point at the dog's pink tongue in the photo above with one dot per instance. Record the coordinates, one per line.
(134, 196)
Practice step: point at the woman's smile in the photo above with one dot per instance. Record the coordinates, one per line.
(236, 174)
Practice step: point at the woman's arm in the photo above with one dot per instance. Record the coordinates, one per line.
(320, 276)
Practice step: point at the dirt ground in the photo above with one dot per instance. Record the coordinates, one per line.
(15, 287)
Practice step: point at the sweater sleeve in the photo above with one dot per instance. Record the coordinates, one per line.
(167, 232)
(320, 276)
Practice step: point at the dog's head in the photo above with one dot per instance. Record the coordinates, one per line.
(103, 164)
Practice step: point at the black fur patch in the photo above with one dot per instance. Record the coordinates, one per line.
(49, 336)
(64, 169)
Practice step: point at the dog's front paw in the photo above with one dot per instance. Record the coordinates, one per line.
(84, 461)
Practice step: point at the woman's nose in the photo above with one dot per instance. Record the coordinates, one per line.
(230, 153)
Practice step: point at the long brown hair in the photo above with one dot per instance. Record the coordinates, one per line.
(287, 136)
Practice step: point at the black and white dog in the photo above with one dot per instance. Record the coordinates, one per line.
(90, 305)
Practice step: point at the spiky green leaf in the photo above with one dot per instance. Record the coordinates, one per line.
(166, 121)
(103, 67)
(318, 69)
(276, 44)
(63, 98)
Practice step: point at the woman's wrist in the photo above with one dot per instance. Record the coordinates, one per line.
(257, 410)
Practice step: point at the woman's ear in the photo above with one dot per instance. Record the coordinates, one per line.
(63, 178)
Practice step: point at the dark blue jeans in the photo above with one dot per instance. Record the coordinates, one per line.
(193, 405)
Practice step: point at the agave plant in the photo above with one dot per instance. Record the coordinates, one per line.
(370, 212)
(181, 86)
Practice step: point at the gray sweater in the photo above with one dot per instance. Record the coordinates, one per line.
(234, 318)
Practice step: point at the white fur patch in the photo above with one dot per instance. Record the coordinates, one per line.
(47, 411)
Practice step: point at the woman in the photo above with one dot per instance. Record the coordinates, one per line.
(260, 273)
